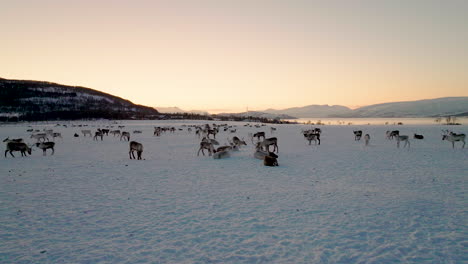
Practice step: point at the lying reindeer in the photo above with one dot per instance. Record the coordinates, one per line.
(271, 160)
(46, 145)
(135, 146)
(16, 146)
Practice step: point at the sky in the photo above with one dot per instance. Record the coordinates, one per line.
(225, 56)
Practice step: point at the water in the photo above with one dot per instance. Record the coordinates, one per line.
(378, 121)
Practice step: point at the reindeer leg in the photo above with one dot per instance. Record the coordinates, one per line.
(53, 151)
(11, 153)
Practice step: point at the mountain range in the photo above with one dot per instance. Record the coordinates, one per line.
(447, 106)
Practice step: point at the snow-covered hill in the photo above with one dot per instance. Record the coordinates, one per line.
(448, 106)
(424, 108)
(35, 100)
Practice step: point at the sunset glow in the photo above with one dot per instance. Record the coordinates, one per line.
(229, 55)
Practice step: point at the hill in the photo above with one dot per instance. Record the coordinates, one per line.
(38, 100)
(447, 106)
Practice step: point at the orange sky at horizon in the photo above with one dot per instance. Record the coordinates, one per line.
(237, 54)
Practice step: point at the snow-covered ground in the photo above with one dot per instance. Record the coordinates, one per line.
(340, 202)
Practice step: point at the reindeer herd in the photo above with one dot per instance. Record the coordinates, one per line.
(265, 148)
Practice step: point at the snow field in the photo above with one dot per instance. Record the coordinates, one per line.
(340, 202)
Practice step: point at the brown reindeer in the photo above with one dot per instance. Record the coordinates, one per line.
(135, 146)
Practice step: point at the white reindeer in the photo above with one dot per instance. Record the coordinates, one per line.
(40, 136)
(86, 132)
(266, 143)
(453, 137)
(402, 138)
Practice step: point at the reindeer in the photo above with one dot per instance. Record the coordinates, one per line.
(367, 139)
(220, 154)
(357, 135)
(98, 134)
(453, 137)
(16, 140)
(86, 132)
(213, 132)
(209, 140)
(312, 134)
(135, 146)
(56, 134)
(17, 146)
(392, 134)
(46, 145)
(416, 136)
(115, 132)
(105, 132)
(237, 142)
(206, 145)
(40, 136)
(270, 160)
(258, 135)
(125, 135)
(400, 138)
(266, 143)
(272, 130)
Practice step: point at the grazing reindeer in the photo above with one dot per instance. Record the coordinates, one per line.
(237, 142)
(135, 146)
(367, 139)
(206, 145)
(16, 140)
(125, 135)
(86, 132)
(56, 134)
(115, 132)
(392, 134)
(453, 137)
(221, 154)
(267, 143)
(357, 135)
(402, 138)
(98, 134)
(46, 145)
(272, 130)
(416, 136)
(16, 146)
